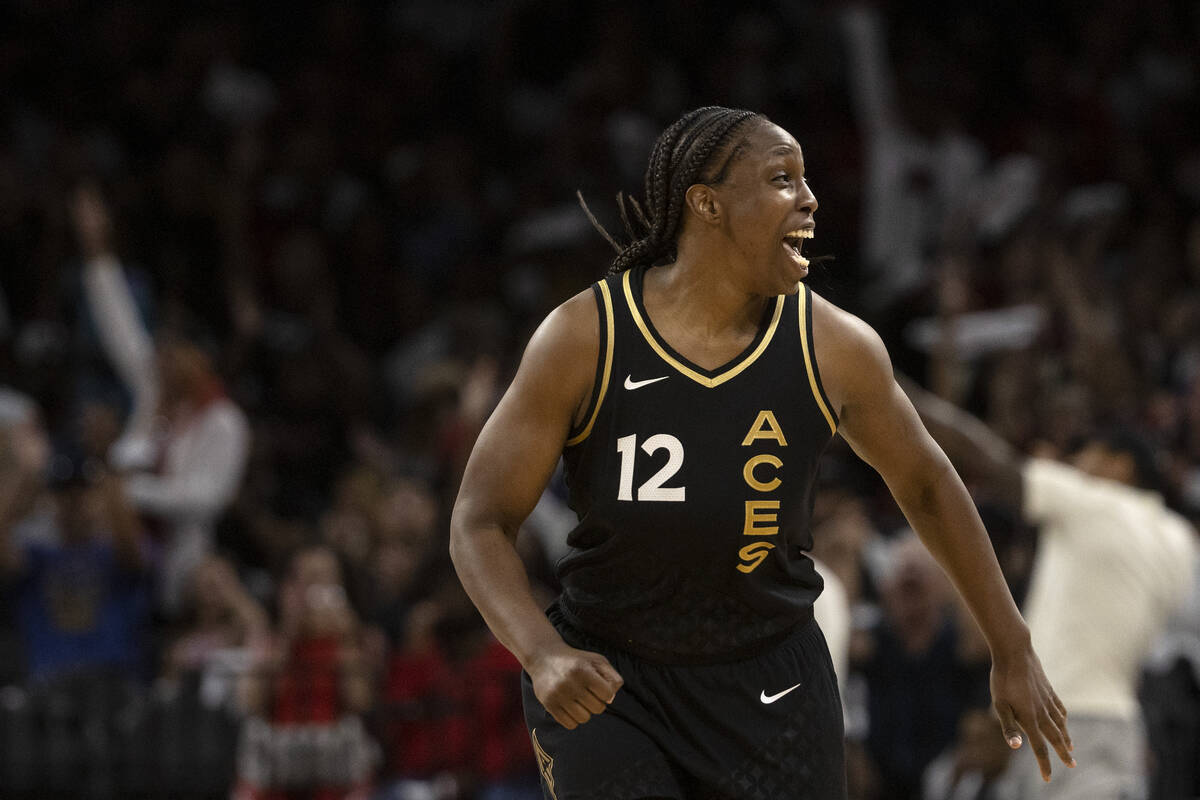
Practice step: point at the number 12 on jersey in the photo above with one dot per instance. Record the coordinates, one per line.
(652, 489)
(762, 515)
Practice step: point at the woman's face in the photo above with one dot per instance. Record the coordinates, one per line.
(767, 210)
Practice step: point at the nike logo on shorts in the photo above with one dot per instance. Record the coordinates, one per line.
(767, 699)
(631, 384)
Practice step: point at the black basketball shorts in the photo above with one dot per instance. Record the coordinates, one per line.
(767, 727)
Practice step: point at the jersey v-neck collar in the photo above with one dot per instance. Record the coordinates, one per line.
(709, 378)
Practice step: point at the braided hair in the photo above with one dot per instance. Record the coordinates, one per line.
(681, 155)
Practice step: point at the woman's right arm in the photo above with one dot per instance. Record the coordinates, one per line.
(512, 461)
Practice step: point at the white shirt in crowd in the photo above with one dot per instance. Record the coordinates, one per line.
(832, 611)
(203, 459)
(1113, 562)
(186, 475)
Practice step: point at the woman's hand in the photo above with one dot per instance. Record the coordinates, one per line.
(1025, 701)
(574, 685)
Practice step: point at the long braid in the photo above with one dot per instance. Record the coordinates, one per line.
(679, 156)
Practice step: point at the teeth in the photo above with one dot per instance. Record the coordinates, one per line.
(793, 241)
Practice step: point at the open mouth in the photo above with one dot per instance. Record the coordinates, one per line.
(794, 241)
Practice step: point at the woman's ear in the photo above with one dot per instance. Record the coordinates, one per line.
(703, 202)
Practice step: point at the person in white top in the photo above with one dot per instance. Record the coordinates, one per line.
(185, 445)
(832, 610)
(1112, 563)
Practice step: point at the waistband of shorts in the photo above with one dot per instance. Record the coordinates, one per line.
(576, 634)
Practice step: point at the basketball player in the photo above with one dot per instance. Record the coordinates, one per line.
(691, 394)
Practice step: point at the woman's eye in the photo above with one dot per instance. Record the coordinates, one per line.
(784, 177)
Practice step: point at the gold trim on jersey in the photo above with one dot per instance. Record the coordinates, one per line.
(802, 304)
(610, 335)
(703, 380)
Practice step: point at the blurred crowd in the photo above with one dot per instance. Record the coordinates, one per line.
(264, 274)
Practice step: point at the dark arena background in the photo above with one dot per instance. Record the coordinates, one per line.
(265, 270)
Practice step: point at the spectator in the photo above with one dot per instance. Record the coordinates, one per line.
(832, 612)
(451, 715)
(305, 736)
(227, 633)
(186, 462)
(1113, 563)
(75, 572)
(918, 672)
(82, 589)
(405, 517)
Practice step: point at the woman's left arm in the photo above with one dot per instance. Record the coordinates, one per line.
(880, 424)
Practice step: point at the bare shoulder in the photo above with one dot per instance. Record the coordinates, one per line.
(850, 354)
(560, 359)
(569, 333)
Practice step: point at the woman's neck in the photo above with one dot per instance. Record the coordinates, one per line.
(702, 297)
(703, 317)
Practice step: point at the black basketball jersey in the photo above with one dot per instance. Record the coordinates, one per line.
(694, 487)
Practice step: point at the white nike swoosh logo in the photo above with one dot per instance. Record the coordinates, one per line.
(630, 383)
(767, 699)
